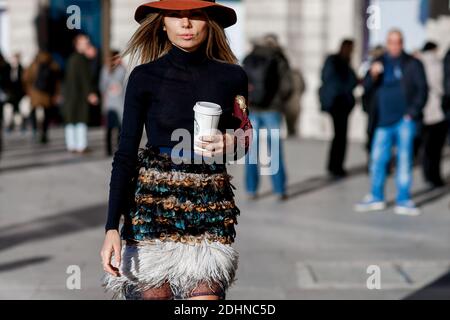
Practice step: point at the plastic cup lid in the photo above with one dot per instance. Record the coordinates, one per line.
(208, 108)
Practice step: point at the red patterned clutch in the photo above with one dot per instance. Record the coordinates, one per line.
(240, 112)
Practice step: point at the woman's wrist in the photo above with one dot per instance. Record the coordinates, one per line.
(111, 230)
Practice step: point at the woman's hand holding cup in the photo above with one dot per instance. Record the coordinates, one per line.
(208, 140)
(214, 145)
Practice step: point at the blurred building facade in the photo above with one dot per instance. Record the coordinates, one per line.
(308, 30)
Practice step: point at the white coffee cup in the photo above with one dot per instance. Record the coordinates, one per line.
(206, 120)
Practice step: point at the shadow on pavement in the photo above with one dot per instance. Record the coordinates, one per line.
(437, 290)
(426, 195)
(432, 196)
(66, 161)
(52, 226)
(23, 263)
(317, 183)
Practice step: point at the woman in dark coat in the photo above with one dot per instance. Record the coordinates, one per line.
(336, 97)
(79, 91)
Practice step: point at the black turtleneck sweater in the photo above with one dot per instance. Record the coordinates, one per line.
(160, 95)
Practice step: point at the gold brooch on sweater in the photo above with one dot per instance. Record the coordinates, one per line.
(241, 102)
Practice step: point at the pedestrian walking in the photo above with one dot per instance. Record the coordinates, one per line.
(336, 97)
(5, 82)
(112, 81)
(42, 85)
(270, 87)
(435, 123)
(179, 217)
(401, 92)
(16, 92)
(79, 92)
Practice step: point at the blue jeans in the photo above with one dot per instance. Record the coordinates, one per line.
(76, 136)
(402, 135)
(270, 121)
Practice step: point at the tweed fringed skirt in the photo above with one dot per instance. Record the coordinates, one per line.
(179, 230)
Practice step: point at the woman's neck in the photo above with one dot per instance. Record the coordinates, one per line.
(183, 57)
(186, 50)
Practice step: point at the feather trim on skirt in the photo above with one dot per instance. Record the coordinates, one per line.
(183, 266)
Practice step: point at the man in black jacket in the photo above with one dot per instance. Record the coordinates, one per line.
(398, 83)
(270, 86)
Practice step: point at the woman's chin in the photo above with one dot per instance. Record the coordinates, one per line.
(188, 45)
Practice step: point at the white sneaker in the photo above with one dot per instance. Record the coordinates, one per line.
(369, 204)
(407, 209)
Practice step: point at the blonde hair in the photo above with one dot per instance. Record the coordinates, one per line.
(150, 42)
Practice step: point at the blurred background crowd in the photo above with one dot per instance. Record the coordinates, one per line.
(52, 75)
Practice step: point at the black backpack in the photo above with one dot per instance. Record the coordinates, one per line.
(263, 78)
(45, 79)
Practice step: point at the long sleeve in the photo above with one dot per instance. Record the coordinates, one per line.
(420, 93)
(125, 158)
(447, 74)
(84, 76)
(103, 83)
(242, 88)
(328, 72)
(369, 83)
(329, 87)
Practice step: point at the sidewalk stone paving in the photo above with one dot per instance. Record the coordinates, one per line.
(313, 246)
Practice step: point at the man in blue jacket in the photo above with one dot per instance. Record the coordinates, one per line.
(399, 85)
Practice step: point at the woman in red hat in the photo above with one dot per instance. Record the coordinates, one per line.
(179, 218)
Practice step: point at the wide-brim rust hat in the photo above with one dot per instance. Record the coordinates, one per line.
(225, 16)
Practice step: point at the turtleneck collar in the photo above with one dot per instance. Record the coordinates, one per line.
(185, 58)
